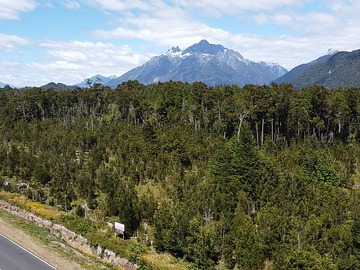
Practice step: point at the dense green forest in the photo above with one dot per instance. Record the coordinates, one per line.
(242, 177)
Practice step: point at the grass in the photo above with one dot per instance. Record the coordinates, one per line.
(28, 227)
(36, 208)
(164, 261)
(42, 210)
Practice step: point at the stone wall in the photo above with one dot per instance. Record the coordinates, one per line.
(71, 238)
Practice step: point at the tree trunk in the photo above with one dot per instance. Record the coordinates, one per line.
(272, 131)
(262, 131)
(298, 130)
(241, 119)
(219, 111)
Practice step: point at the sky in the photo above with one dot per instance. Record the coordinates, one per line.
(67, 41)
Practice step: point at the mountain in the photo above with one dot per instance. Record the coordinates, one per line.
(209, 63)
(94, 79)
(287, 77)
(339, 70)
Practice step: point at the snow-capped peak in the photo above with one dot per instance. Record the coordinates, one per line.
(174, 51)
(269, 64)
(204, 47)
(332, 51)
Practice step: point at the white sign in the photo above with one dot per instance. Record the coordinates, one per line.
(119, 228)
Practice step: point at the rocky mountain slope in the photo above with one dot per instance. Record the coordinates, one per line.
(209, 63)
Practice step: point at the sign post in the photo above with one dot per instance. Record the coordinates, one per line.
(119, 228)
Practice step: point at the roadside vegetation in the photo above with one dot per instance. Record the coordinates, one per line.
(39, 241)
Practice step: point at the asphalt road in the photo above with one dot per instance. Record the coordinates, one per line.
(14, 257)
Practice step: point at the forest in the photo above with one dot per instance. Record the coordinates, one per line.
(222, 177)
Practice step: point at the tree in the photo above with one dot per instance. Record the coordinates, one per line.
(170, 235)
(126, 202)
(89, 82)
(325, 171)
(248, 246)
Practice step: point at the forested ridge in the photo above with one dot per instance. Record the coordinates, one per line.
(244, 178)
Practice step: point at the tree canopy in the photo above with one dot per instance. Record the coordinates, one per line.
(240, 177)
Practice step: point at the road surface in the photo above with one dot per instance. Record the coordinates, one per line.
(14, 257)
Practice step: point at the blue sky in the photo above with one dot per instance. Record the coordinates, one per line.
(69, 40)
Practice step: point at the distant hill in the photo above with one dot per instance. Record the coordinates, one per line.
(95, 79)
(287, 77)
(57, 86)
(209, 63)
(340, 70)
(334, 70)
(3, 84)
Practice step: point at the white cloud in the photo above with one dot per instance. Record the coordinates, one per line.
(9, 43)
(16, 73)
(235, 7)
(71, 62)
(301, 16)
(312, 22)
(11, 9)
(344, 6)
(317, 22)
(282, 19)
(215, 6)
(122, 5)
(71, 4)
(165, 25)
(181, 34)
(261, 19)
(85, 51)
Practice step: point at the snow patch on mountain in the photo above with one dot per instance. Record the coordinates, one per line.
(174, 52)
(332, 51)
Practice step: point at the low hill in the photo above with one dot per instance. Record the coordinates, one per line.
(57, 86)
